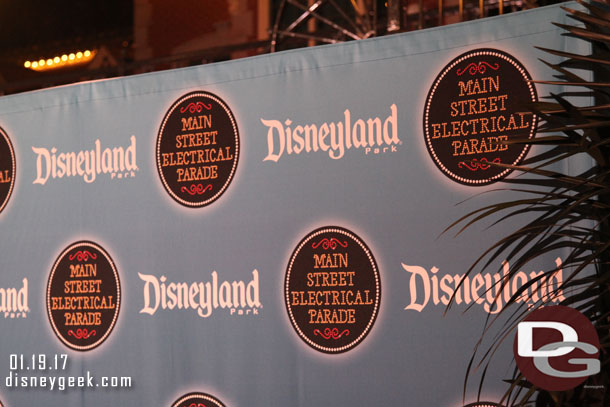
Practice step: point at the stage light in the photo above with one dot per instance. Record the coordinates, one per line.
(73, 58)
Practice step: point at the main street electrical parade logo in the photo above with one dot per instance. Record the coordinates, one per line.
(197, 400)
(197, 149)
(332, 289)
(83, 296)
(7, 169)
(475, 106)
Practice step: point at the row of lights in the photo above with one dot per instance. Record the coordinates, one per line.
(59, 61)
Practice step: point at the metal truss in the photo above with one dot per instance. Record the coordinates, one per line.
(310, 22)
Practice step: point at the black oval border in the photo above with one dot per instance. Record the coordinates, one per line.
(501, 54)
(197, 394)
(377, 274)
(14, 159)
(226, 184)
(116, 315)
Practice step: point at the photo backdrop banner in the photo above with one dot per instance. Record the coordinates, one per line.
(267, 231)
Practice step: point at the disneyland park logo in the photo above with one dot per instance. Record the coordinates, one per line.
(118, 162)
(492, 291)
(202, 297)
(14, 301)
(375, 135)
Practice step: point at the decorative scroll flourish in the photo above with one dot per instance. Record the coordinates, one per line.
(195, 107)
(82, 333)
(475, 165)
(82, 255)
(331, 333)
(196, 189)
(474, 68)
(196, 405)
(326, 244)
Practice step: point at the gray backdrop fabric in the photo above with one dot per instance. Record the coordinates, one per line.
(396, 202)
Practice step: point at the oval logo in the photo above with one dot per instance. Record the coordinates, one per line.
(197, 400)
(332, 289)
(475, 104)
(83, 296)
(197, 149)
(7, 169)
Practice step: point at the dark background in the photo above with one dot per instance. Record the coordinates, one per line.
(136, 36)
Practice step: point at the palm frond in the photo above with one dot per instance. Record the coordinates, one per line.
(566, 212)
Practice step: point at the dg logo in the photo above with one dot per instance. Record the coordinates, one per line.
(557, 348)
